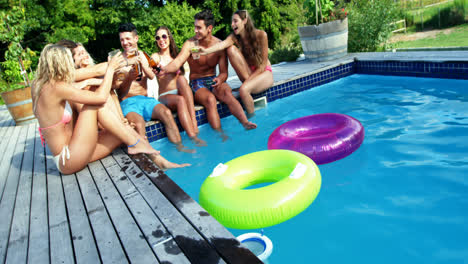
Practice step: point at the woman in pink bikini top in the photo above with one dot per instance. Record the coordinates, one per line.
(250, 62)
(75, 142)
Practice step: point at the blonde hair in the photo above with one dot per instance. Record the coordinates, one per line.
(89, 55)
(254, 50)
(55, 64)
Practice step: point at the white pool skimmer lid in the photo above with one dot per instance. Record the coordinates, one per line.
(256, 239)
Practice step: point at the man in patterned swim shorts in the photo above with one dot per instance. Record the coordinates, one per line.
(208, 87)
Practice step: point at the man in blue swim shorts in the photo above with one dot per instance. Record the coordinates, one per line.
(141, 105)
(208, 87)
(132, 89)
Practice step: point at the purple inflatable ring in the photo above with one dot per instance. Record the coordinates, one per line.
(323, 137)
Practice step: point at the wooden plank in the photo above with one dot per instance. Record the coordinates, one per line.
(4, 115)
(195, 247)
(136, 247)
(108, 243)
(5, 118)
(6, 154)
(7, 123)
(218, 236)
(162, 243)
(38, 251)
(19, 234)
(82, 234)
(61, 250)
(11, 186)
(5, 142)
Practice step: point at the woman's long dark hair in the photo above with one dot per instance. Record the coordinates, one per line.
(254, 50)
(173, 49)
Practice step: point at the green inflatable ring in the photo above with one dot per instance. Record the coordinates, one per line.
(296, 183)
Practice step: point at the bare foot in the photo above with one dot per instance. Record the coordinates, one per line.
(223, 135)
(249, 125)
(250, 115)
(182, 148)
(141, 146)
(199, 142)
(164, 164)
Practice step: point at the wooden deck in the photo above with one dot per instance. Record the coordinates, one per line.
(120, 209)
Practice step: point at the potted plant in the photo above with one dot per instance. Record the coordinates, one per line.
(15, 85)
(328, 39)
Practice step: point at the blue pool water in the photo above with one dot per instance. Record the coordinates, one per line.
(402, 197)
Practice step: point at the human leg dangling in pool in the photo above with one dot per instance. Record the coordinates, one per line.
(251, 62)
(133, 91)
(203, 69)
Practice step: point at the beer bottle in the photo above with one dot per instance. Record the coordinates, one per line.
(151, 62)
(137, 65)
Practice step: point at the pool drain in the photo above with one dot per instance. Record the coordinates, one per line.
(259, 244)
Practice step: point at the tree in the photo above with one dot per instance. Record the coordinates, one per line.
(369, 23)
(94, 22)
(264, 13)
(182, 28)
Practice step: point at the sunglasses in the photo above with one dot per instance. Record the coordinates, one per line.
(164, 36)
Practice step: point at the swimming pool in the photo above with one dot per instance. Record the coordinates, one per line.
(401, 197)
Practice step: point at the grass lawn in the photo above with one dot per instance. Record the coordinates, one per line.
(458, 37)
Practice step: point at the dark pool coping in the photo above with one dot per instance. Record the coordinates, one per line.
(293, 77)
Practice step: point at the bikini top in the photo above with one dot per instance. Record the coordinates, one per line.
(66, 118)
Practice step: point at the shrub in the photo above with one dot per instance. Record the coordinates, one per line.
(287, 53)
(18, 61)
(369, 23)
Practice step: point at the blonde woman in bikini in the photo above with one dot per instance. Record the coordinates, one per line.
(174, 90)
(74, 140)
(250, 62)
(90, 76)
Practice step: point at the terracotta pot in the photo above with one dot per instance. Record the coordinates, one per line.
(19, 104)
(326, 41)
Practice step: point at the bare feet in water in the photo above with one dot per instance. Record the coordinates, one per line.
(249, 125)
(198, 142)
(141, 146)
(250, 115)
(164, 164)
(183, 148)
(223, 135)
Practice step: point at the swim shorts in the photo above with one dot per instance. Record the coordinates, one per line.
(204, 82)
(139, 104)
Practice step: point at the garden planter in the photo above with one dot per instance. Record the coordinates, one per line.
(326, 41)
(19, 105)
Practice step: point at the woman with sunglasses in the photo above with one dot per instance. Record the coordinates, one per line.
(251, 61)
(174, 90)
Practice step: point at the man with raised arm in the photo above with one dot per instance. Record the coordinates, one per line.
(205, 84)
(136, 106)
